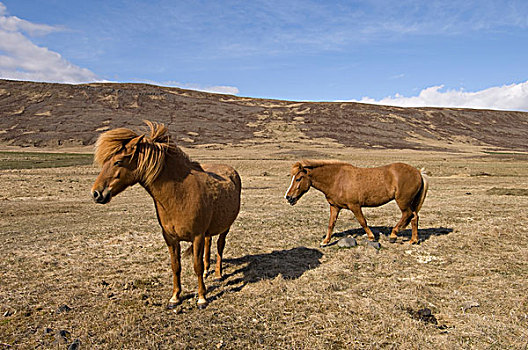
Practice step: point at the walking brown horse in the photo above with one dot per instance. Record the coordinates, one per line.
(193, 202)
(348, 187)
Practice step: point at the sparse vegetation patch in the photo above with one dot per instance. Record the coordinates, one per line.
(507, 191)
(33, 160)
(74, 274)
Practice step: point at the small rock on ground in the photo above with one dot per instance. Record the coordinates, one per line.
(424, 315)
(75, 345)
(63, 308)
(376, 245)
(347, 242)
(469, 304)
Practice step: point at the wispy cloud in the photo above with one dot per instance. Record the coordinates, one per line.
(215, 89)
(21, 59)
(218, 89)
(273, 27)
(15, 24)
(441, 16)
(397, 76)
(506, 97)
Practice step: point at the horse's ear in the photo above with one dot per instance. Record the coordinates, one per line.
(297, 167)
(131, 146)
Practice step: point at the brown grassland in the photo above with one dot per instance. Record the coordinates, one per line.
(73, 272)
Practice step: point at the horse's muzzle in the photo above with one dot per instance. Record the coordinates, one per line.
(291, 200)
(101, 197)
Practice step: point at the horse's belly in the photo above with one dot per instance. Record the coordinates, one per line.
(375, 198)
(376, 202)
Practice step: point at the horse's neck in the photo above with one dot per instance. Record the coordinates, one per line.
(323, 177)
(177, 167)
(170, 182)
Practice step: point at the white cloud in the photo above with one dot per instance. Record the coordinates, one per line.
(15, 24)
(506, 97)
(230, 90)
(21, 59)
(218, 89)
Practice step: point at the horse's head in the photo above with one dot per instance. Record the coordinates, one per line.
(300, 183)
(118, 171)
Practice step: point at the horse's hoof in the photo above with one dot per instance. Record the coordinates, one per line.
(392, 239)
(202, 303)
(414, 242)
(172, 305)
(323, 244)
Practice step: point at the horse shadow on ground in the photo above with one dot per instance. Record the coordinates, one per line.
(378, 231)
(290, 264)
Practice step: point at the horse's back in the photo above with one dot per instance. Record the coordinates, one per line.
(378, 185)
(405, 173)
(369, 186)
(223, 175)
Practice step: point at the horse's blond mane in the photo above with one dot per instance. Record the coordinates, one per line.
(111, 142)
(315, 163)
(312, 163)
(151, 153)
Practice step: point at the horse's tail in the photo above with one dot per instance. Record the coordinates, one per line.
(235, 177)
(420, 197)
(188, 252)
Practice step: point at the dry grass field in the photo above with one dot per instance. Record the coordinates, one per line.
(73, 273)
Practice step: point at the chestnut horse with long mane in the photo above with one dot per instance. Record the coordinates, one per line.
(348, 187)
(193, 202)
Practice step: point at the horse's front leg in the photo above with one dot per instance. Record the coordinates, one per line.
(334, 213)
(174, 251)
(198, 251)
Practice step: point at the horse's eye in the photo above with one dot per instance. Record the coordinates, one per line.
(299, 179)
(118, 163)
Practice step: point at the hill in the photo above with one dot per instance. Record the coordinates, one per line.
(62, 115)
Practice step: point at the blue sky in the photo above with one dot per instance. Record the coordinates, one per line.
(406, 52)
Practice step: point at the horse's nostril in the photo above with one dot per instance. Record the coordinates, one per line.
(96, 194)
(288, 197)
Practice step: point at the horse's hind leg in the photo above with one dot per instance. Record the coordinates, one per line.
(407, 216)
(207, 255)
(363, 222)
(414, 225)
(220, 244)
